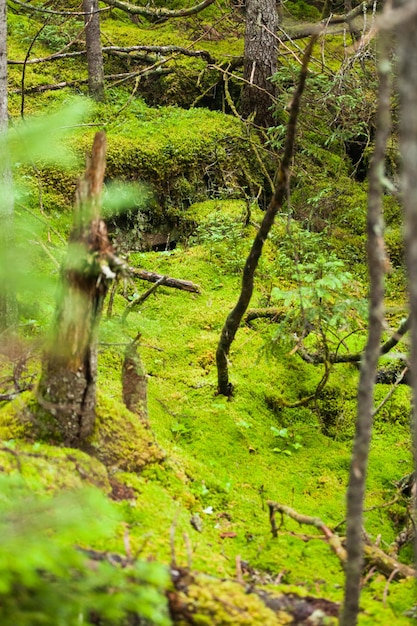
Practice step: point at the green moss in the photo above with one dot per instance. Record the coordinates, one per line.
(120, 440)
(11, 424)
(49, 468)
(219, 460)
(227, 603)
(302, 10)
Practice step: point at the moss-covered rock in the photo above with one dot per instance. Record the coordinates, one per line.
(120, 440)
(52, 468)
(202, 601)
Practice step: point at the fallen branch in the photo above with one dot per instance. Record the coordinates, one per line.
(317, 358)
(373, 556)
(157, 13)
(385, 564)
(333, 25)
(83, 81)
(142, 297)
(125, 51)
(175, 283)
(268, 313)
(332, 539)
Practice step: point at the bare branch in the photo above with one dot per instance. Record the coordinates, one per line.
(123, 51)
(30, 7)
(316, 359)
(307, 30)
(157, 13)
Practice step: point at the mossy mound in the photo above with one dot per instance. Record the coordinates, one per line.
(120, 440)
(52, 468)
(202, 600)
(173, 157)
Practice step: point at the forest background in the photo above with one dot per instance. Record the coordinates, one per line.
(122, 401)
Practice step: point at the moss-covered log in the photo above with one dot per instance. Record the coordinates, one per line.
(200, 599)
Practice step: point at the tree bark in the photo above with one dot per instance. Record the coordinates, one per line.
(93, 50)
(67, 389)
(407, 87)
(134, 381)
(8, 305)
(369, 365)
(235, 316)
(260, 61)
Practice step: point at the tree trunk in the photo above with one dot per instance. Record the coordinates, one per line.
(260, 60)
(407, 87)
(94, 51)
(369, 365)
(67, 389)
(235, 316)
(8, 305)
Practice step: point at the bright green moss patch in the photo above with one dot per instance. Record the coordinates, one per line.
(50, 468)
(120, 440)
(193, 486)
(11, 424)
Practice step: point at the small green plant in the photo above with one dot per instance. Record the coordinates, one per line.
(179, 429)
(324, 303)
(288, 442)
(223, 235)
(52, 580)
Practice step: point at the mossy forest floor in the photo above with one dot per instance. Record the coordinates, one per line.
(194, 485)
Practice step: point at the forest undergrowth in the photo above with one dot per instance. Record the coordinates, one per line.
(190, 488)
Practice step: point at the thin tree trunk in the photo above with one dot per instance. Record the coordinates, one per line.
(407, 87)
(8, 305)
(235, 316)
(93, 50)
(67, 389)
(260, 61)
(369, 365)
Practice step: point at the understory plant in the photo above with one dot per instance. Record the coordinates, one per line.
(49, 577)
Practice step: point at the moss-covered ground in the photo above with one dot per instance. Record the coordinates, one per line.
(198, 479)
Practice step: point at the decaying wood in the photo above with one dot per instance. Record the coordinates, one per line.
(134, 381)
(176, 283)
(373, 556)
(67, 389)
(269, 313)
(385, 564)
(197, 598)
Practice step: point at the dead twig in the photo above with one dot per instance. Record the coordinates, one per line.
(373, 555)
(142, 297)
